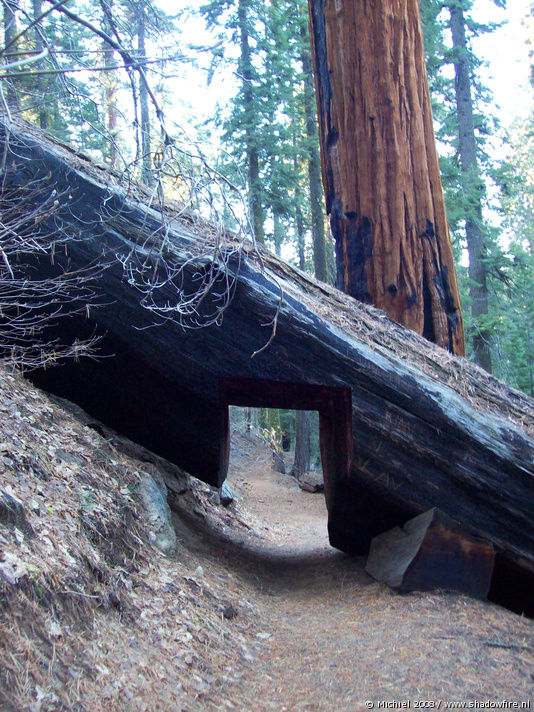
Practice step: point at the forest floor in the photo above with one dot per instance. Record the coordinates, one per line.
(254, 612)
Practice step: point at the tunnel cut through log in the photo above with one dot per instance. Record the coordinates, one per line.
(335, 420)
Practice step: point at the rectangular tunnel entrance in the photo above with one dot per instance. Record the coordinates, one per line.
(335, 419)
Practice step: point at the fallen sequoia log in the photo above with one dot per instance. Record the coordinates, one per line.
(405, 426)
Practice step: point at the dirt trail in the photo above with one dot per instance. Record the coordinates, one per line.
(331, 638)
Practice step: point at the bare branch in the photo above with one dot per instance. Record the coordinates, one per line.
(29, 305)
(22, 62)
(35, 22)
(128, 59)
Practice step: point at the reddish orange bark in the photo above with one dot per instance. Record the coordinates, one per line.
(380, 164)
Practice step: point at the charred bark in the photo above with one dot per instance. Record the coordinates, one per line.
(380, 166)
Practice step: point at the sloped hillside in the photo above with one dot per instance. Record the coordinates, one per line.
(243, 614)
(93, 616)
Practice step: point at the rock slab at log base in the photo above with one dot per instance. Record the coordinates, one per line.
(431, 551)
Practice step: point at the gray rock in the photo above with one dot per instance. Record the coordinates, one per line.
(230, 612)
(153, 494)
(278, 462)
(226, 495)
(311, 482)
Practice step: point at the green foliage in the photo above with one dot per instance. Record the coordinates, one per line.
(469, 172)
(267, 116)
(439, 59)
(507, 193)
(516, 298)
(68, 91)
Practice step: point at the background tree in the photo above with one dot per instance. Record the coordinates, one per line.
(241, 23)
(274, 114)
(462, 107)
(472, 185)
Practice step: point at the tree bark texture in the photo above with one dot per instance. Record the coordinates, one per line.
(471, 186)
(380, 165)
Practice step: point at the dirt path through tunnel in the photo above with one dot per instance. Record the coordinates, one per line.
(333, 639)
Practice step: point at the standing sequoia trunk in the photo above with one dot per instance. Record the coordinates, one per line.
(380, 165)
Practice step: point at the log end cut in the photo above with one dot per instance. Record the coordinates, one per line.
(432, 552)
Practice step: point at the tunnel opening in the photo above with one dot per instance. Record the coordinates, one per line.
(275, 480)
(332, 404)
(291, 436)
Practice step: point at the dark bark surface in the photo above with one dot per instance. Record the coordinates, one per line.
(405, 426)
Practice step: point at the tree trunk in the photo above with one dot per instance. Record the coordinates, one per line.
(253, 164)
(301, 235)
(380, 165)
(299, 218)
(301, 463)
(278, 234)
(314, 164)
(471, 188)
(109, 81)
(146, 154)
(403, 425)
(10, 33)
(41, 82)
